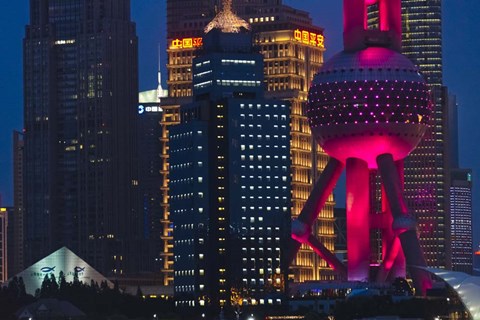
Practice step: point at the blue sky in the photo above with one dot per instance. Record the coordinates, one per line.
(461, 31)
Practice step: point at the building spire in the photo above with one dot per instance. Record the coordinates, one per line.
(227, 21)
(159, 88)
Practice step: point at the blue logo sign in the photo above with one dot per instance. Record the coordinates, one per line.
(141, 109)
(48, 269)
(79, 269)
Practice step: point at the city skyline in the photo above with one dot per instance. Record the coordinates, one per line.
(150, 18)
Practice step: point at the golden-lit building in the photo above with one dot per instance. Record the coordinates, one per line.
(293, 51)
(170, 116)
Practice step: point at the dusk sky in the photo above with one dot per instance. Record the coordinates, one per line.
(461, 43)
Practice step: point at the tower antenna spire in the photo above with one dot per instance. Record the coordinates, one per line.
(159, 88)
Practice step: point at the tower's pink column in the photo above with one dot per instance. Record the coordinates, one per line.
(404, 225)
(399, 268)
(358, 229)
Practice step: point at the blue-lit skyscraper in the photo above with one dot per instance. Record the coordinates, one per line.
(461, 220)
(229, 179)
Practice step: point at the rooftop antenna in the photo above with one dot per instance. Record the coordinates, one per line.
(159, 88)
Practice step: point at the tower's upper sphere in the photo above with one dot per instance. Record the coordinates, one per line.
(365, 103)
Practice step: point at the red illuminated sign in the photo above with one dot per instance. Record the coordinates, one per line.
(310, 38)
(186, 43)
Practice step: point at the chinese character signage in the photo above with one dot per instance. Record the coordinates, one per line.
(186, 43)
(310, 38)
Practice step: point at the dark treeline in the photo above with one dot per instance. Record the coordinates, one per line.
(97, 301)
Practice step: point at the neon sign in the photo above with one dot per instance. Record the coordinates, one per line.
(310, 38)
(186, 43)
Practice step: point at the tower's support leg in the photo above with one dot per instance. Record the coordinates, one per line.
(393, 265)
(358, 217)
(399, 266)
(328, 256)
(404, 225)
(302, 226)
(399, 269)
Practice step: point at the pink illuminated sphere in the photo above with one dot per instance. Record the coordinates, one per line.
(366, 103)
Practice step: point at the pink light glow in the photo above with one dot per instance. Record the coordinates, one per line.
(375, 128)
(358, 214)
(367, 140)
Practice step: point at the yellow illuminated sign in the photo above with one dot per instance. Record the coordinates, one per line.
(186, 43)
(3, 209)
(310, 38)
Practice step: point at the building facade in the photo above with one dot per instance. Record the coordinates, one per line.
(427, 168)
(149, 164)
(461, 220)
(170, 116)
(4, 213)
(17, 219)
(80, 89)
(230, 181)
(293, 51)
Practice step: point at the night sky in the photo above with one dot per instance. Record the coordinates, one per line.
(461, 29)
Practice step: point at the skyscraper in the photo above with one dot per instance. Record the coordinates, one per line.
(461, 220)
(149, 178)
(17, 218)
(80, 89)
(460, 198)
(229, 182)
(427, 168)
(4, 213)
(293, 51)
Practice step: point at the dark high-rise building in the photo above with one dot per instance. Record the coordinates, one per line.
(292, 47)
(427, 168)
(149, 178)
(461, 220)
(4, 214)
(229, 178)
(460, 198)
(80, 89)
(17, 218)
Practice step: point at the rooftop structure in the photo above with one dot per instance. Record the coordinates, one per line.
(227, 21)
(466, 286)
(61, 260)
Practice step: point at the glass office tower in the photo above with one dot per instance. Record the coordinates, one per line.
(427, 168)
(229, 183)
(293, 49)
(80, 89)
(461, 220)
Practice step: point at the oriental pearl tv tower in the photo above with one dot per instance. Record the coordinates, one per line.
(368, 108)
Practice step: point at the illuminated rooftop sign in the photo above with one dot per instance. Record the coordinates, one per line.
(142, 109)
(309, 38)
(186, 43)
(306, 37)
